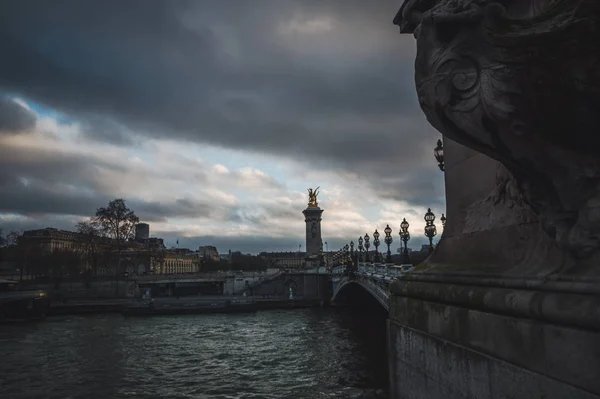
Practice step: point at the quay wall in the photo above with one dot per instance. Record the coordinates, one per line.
(105, 289)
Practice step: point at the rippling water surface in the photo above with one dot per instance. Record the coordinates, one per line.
(313, 353)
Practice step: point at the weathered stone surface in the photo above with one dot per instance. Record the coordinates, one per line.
(424, 364)
(312, 217)
(519, 81)
(507, 305)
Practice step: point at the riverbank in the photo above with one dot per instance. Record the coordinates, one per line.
(185, 305)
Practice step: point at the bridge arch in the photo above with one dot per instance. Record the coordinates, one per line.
(379, 294)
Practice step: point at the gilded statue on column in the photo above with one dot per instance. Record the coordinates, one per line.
(312, 197)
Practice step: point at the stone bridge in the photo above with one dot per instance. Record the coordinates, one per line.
(375, 278)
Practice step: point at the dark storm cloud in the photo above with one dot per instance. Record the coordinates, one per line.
(34, 198)
(178, 208)
(227, 73)
(14, 117)
(165, 67)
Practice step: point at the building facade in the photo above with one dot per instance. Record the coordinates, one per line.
(209, 252)
(50, 239)
(285, 260)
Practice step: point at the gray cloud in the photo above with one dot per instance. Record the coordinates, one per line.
(223, 73)
(38, 182)
(257, 244)
(165, 67)
(14, 117)
(34, 199)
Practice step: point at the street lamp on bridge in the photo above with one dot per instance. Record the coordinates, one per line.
(348, 256)
(430, 229)
(367, 246)
(376, 243)
(388, 241)
(360, 249)
(438, 152)
(443, 220)
(352, 250)
(405, 236)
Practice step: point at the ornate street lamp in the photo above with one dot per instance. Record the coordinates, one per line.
(405, 236)
(367, 246)
(376, 243)
(388, 241)
(360, 249)
(349, 256)
(429, 217)
(352, 250)
(430, 229)
(438, 152)
(443, 220)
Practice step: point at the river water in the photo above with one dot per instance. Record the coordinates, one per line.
(310, 353)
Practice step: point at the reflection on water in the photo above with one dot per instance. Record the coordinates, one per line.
(313, 353)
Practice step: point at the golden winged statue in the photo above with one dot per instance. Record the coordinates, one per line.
(312, 197)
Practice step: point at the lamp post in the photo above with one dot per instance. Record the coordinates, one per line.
(430, 230)
(347, 254)
(388, 241)
(438, 152)
(443, 220)
(360, 249)
(352, 251)
(376, 243)
(367, 246)
(321, 259)
(405, 236)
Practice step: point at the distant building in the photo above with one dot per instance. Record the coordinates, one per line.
(140, 262)
(177, 262)
(285, 260)
(142, 231)
(140, 256)
(50, 239)
(153, 243)
(209, 252)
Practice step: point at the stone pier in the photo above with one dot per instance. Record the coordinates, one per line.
(508, 305)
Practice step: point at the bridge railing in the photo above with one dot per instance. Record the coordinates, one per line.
(385, 270)
(379, 291)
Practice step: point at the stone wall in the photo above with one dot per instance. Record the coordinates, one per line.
(106, 289)
(307, 286)
(507, 306)
(441, 350)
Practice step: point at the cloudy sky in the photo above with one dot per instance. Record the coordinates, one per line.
(212, 118)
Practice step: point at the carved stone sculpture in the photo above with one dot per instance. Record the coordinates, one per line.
(519, 80)
(312, 197)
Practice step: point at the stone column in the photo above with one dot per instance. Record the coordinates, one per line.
(312, 217)
(507, 304)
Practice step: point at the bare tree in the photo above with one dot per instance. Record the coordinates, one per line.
(117, 222)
